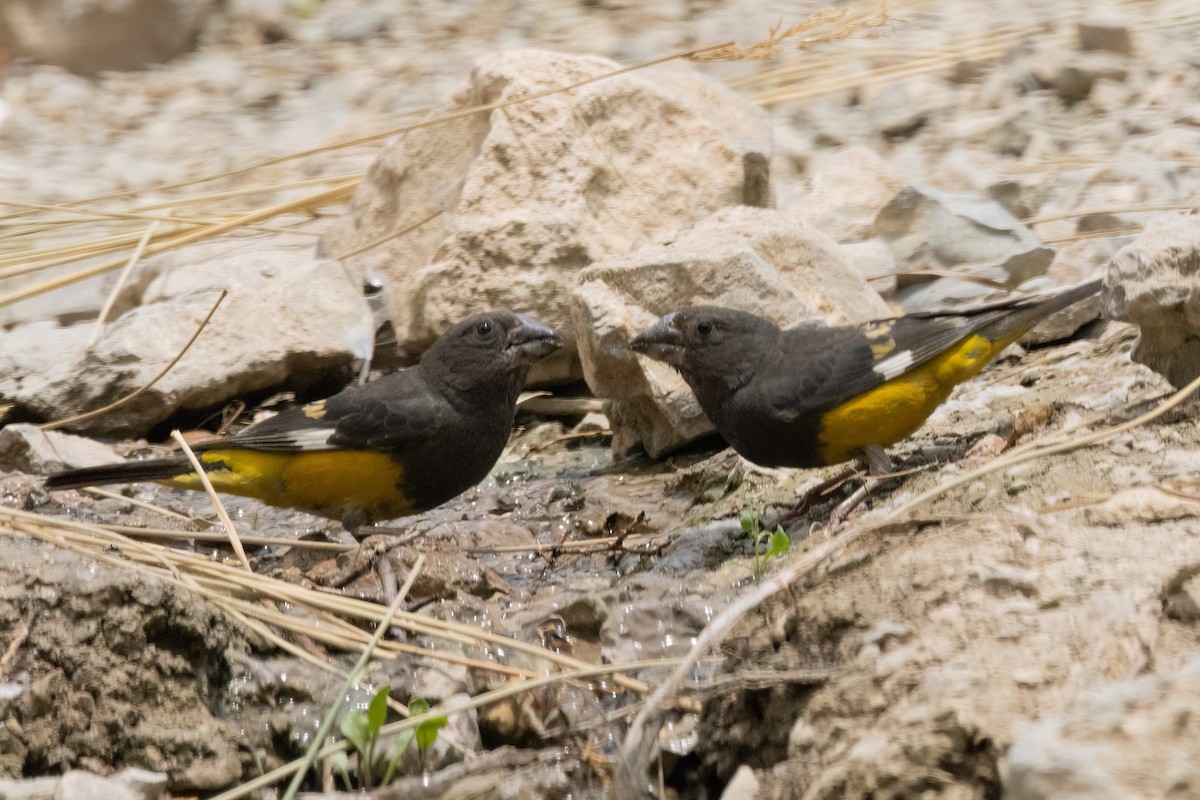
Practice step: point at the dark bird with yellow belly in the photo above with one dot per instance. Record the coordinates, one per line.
(816, 396)
(404, 443)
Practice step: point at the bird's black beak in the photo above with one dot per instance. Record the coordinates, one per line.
(663, 342)
(531, 341)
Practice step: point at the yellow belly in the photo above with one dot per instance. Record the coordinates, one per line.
(894, 410)
(324, 482)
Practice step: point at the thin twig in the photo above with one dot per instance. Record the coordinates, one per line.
(134, 257)
(383, 239)
(14, 644)
(333, 194)
(166, 512)
(49, 426)
(234, 540)
(359, 667)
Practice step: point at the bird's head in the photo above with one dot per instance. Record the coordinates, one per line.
(709, 343)
(490, 347)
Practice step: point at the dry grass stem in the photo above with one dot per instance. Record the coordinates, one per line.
(389, 237)
(335, 194)
(360, 666)
(49, 426)
(824, 26)
(166, 512)
(230, 531)
(134, 257)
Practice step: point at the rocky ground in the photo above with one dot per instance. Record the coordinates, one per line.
(1029, 633)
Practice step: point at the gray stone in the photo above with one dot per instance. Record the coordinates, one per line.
(1105, 32)
(928, 229)
(1076, 79)
(742, 786)
(1154, 283)
(752, 259)
(128, 784)
(27, 448)
(30, 789)
(1137, 738)
(50, 373)
(360, 23)
(90, 36)
(931, 229)
(532, 193)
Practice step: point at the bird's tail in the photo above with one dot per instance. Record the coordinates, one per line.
(130, 472)
(1023, 313)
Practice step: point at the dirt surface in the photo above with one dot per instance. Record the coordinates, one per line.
(909, 666)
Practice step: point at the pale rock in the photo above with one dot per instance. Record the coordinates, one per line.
(358, 24)
(751, 259)
(1154, 282)
(27, 448)
(532, 193)
(1077, 78)
(1021, 199)
(72, 303)
(30, 788)
(318, 324)
(899, 110)
(847, 188)
(1138, 738)
(931, 229)
(874, 261)
(1143, 505)
(91, 36)
(742, 786)
(130, 783)
(1105, 31)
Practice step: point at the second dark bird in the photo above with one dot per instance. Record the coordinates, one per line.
(815, 396)
(405, 443)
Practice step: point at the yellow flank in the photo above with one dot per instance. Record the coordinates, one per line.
(893, 410)
(325, 482)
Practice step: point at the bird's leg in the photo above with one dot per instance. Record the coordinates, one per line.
(878, 466)
(815, 495)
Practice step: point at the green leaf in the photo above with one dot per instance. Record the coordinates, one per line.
(427, 731)
(417, 706)
(355, 728)
(779, 543)
(377, 711)
(749, 522)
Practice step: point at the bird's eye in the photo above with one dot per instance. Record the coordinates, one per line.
(483, 328)
(704, 328)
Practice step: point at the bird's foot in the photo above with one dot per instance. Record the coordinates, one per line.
(815, 496)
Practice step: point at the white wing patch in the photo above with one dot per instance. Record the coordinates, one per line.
(895, 365)
(300, 439)
(310, 438)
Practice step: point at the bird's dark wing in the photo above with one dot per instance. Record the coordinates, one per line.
(387, 414)
(816, 368)
(821, 368)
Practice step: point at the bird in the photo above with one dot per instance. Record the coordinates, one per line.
(398, 445)
(814, 396)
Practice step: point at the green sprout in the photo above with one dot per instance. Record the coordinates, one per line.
(361, 729)
(777, 543)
